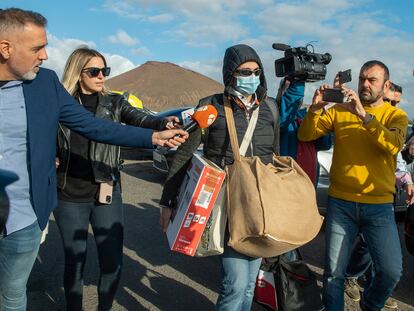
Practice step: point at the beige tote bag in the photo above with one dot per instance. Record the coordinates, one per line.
(271, 208)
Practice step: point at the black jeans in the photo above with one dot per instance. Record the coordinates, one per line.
(107, 223)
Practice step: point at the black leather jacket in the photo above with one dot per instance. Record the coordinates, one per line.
(105, 158)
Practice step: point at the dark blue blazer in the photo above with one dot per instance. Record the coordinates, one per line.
(47, 103)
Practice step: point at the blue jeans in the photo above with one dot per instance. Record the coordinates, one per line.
(107, 224)
(360, 262)
(376, 223)
(18, 253)
(238, 280)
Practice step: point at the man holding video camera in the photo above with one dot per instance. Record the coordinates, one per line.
(368, 134)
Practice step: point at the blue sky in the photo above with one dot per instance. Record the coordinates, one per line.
(195, 33)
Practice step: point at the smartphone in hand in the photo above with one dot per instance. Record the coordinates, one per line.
(345, 76)
(333, 96)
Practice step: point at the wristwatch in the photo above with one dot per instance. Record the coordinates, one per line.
(369, 119)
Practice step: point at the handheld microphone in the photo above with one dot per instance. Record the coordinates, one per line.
(202, 118)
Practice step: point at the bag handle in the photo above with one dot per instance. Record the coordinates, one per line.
(231, 128)
(276, 160)
(247, 139)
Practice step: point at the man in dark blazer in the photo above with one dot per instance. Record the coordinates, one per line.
(32, 102)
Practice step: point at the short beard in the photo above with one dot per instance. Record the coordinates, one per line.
(370, 99)
(31, 75)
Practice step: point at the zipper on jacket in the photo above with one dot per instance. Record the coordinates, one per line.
(68, 157)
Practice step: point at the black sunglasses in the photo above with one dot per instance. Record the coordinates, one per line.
(248, 72)
(94, 71)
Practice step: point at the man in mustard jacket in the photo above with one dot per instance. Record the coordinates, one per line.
(368, 134)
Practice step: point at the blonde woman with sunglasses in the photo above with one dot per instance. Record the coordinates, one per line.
(88, 180)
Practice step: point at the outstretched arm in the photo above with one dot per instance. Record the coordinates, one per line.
(289, 102)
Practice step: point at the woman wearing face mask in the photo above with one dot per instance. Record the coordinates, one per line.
(245, 88)
(87, 169)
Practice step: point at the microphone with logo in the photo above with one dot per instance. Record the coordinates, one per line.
(202, 118)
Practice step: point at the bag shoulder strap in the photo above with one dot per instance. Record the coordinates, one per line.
(231, 128)
(249, 132)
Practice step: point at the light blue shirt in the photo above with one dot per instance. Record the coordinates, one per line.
(13, 155)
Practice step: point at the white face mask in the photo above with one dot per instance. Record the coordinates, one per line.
(247, 85)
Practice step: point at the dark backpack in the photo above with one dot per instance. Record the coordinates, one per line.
(295, 284)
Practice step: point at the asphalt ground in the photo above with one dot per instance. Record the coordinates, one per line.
(154, 278)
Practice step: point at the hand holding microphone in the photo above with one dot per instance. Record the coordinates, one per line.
(202, 118)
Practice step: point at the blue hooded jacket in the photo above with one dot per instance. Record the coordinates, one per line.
(290, 112)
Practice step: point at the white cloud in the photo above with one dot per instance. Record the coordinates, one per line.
(209, 68)
(142, 51)
(121, 37)
(123, 9)
(202, 23)
(129, 11)
(60, 49)
(186, 7)
(161, 18)
(352, 39)
(118, 64)
(353, 31)
(208, 33)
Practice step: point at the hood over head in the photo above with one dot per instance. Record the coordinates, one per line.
(237, 55)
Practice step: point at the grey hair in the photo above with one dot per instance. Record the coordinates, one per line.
(17, 19)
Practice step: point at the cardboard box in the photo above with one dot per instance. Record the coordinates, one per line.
(198, 194)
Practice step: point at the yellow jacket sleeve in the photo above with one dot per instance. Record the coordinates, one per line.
(316, 124)
(391, 137)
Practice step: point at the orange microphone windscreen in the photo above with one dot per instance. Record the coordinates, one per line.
(205, 116)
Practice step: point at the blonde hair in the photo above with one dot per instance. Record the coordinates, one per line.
(74, 66)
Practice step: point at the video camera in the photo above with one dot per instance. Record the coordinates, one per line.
(301, 64)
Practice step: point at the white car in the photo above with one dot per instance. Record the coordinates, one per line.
(325, 161)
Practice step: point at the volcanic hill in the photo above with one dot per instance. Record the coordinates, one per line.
(162, 85)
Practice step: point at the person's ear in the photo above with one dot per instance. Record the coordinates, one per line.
(5, 49)
(387, 85)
